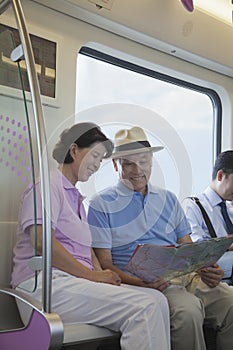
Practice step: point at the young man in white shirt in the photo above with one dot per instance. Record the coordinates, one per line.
(217, 195)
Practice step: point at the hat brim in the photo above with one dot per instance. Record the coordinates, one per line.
(121, 154)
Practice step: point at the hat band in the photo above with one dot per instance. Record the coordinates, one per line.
(132, 146)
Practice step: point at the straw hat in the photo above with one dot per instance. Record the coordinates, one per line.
(131, 141)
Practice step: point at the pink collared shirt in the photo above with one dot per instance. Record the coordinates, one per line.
(68, 221)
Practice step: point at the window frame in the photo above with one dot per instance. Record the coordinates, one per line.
(212, 94)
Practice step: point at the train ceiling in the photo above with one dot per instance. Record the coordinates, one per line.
(166, 25)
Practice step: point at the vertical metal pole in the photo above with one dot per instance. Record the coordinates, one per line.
(42, 153)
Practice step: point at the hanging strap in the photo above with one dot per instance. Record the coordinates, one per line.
(205, 217)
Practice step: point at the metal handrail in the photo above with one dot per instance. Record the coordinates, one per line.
(42, 150)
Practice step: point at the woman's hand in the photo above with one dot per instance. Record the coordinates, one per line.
(212, 275)
(106, 276)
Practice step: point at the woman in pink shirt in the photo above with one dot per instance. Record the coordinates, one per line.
(81, 290)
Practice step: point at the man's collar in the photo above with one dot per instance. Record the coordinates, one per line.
(212, 196)
(123, 190)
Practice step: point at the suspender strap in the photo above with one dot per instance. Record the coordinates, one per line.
(205, 217)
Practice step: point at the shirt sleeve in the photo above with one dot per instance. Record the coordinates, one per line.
(182, 226)
(31, 211)
(98, 221)
(196, 220)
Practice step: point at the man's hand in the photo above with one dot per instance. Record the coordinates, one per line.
(160, 285)
(212, 275)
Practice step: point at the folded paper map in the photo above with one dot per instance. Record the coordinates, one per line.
(151, 262)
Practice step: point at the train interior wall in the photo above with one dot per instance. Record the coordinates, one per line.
(71, 34)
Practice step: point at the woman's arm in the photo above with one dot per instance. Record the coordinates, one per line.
(63, 260)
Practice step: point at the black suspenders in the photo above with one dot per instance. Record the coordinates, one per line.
(205, 217)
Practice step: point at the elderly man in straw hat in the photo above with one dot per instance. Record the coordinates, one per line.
(135, 212)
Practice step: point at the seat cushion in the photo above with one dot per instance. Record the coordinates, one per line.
(81, 332)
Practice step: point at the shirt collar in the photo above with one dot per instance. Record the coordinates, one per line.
(57, 174)
(125, 191)
(212, 196)
(67, 184)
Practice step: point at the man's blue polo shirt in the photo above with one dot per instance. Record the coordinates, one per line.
(120, 219)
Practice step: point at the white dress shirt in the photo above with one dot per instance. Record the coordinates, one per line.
(210, 200)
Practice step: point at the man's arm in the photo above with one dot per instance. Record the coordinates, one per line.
(184, 239)
(196, 220)
(99, 226)
(95, 261)
(105, 258)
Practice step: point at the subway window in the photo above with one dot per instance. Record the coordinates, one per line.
(182, 117)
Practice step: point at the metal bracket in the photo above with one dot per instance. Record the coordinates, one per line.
(36, 263)
(17, 54)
